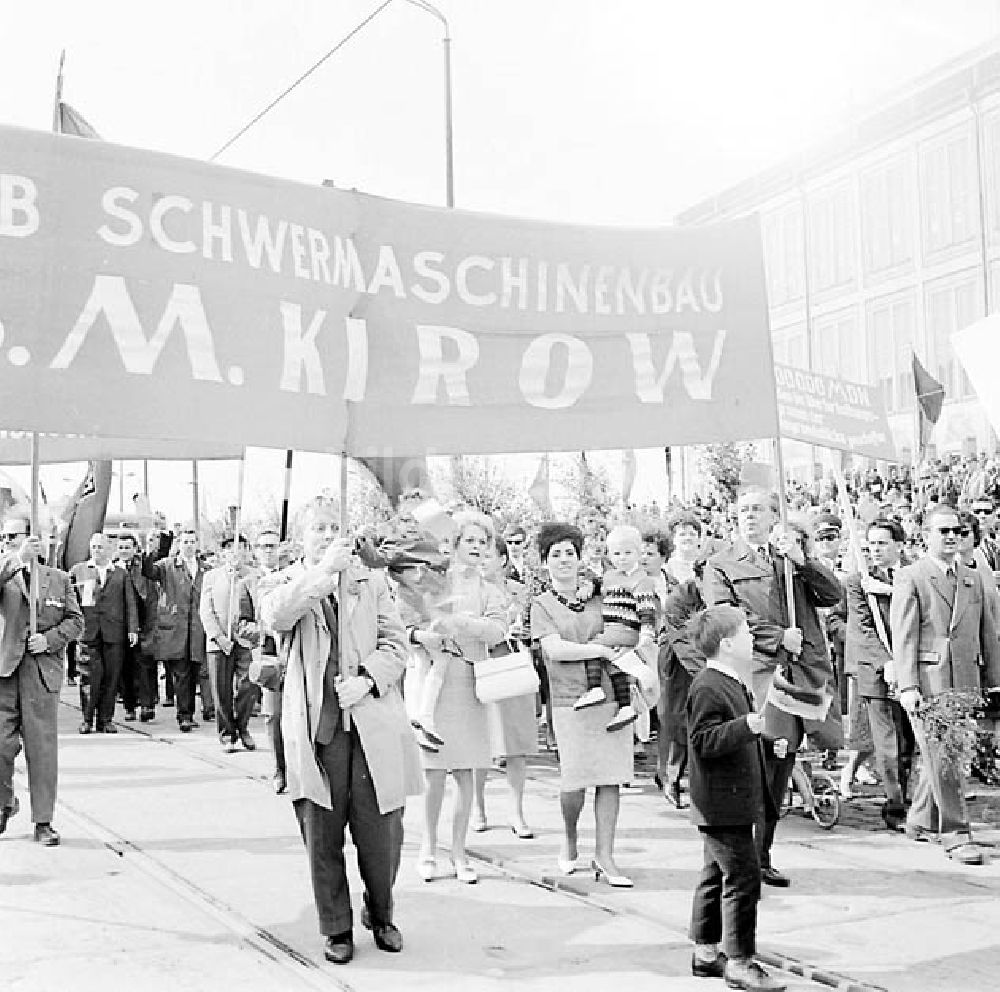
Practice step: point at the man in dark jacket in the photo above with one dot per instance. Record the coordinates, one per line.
(180, 635)
(869, 648)
(729, 795)
(791, 668)
(111, 623)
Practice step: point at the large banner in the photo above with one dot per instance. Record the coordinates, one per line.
(833, 413)
(148, 296)
(15, 449)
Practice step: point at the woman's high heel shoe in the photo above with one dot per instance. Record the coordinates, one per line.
(615, 881)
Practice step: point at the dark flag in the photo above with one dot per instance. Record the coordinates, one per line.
(930, 397)
(397, 476)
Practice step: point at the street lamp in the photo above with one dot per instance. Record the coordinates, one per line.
(449, 157)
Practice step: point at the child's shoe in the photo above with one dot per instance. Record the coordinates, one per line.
(592, 697)
(623, 718)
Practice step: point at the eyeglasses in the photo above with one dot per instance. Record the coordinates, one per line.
(515, 540)
(827, 537)
(13, 535)
(982, 511)
(957, 531)
(268, 547)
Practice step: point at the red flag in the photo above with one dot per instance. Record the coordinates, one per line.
(399, 475)
(629, 470)
(539, 489)
(71, 121)
(930, 392)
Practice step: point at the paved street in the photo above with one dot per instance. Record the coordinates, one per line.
(181, 870)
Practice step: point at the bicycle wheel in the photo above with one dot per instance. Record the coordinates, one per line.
(826, 801)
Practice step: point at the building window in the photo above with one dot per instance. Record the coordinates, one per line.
(951, 307)
(831, 238)
(949, 191)
(790, 347)
(837, 348)
(783, 250)
(891, 328)
(887, 216)
(991, 148)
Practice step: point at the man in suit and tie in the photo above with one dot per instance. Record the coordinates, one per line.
(792, 670)
(31, 672)
(729, 796)
(111, 620)
(869, 649)
(943, 637)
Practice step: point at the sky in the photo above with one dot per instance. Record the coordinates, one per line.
(611, 112)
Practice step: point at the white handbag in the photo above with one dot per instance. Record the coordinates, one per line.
(505, 675)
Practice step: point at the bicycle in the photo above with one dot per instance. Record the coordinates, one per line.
(812, 792)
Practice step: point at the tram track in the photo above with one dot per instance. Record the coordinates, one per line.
(299, 970)
(309, 973)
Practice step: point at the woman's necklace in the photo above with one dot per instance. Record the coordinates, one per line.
(571, 604)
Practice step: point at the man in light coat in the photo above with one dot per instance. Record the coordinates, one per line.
(228, 658)
(31, 672)
(350, 755)
(944, 637)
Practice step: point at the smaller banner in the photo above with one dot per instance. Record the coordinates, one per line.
(833, 413)
(15, 449)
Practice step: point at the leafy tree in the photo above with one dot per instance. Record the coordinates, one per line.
(589, 486)
(721, 464)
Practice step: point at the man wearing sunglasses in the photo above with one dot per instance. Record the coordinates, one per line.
(31, 672)
(943, 637)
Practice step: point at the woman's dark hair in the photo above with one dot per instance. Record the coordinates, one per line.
(971, 521)
(657, 537)
(501, 545)
(893, 527)
(684, 519)
(555, 533)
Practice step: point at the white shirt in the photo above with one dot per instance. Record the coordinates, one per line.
(102, 570)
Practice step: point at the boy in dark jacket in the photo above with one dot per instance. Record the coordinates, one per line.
(728, 797)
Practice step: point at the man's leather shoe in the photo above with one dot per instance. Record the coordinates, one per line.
(967, 854)
(280, 785)
(109, 728)
(169, 701)
(709, 969)
(672, 792)
(186, 726)
(247, 741)
(146, 715)
(130, 715)
(894, 819)
(208, 715)
(8, 811)
(45, 835)
(771, 876)
(387, 936)
(85, 728)
(339, 948)
(745, 973)
(922, 836)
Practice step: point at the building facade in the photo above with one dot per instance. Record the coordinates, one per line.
(883, 242)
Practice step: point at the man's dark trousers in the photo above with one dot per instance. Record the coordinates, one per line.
(378, 837)
(725, 901)
(100, 664)
(233, 709)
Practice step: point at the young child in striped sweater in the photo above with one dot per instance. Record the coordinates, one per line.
(628, 606)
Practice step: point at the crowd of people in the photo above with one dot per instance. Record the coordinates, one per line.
(724, 636)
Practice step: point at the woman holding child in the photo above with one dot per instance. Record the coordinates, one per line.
(567, 631)
(465, 618)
